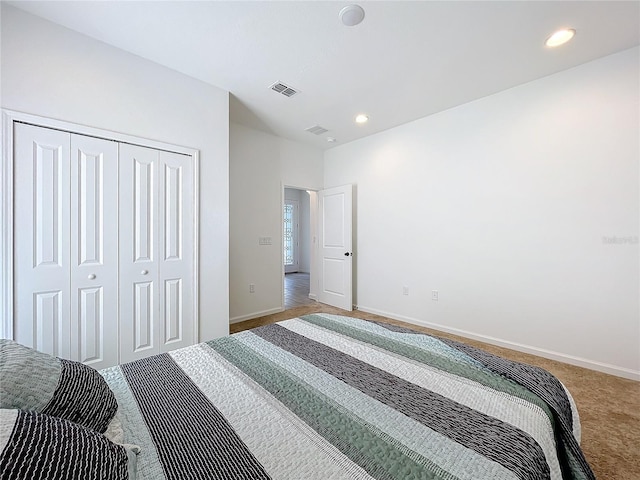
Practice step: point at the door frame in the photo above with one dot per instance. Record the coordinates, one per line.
(9, 119)
(313, 207)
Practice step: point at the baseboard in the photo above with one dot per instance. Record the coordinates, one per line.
(313, 296)
(540, 352)
(250, 316)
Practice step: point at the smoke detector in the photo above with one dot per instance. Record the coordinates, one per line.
(351, 15)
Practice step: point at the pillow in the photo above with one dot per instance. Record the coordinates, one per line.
(28, 378)
(32, 380)
(40, 447)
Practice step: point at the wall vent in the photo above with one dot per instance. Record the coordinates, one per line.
(316, 130)
(283, 89)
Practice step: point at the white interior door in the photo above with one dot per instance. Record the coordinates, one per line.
(42, 251)
(103, 246)
(335, 246)
(176, 277)
(138, 240)
(156, 251)
(94, 251)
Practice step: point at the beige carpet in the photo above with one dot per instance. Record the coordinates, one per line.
(609, 406)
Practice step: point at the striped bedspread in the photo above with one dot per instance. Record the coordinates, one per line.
(330, 397)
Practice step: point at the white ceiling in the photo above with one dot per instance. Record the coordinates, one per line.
(406, 60)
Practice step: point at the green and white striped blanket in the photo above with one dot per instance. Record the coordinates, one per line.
(329, 397)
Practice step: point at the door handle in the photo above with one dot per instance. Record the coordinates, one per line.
(347, 254)
(144, 272)
(91, 276)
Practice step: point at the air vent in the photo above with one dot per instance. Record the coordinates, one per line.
(317, 130)
(283, 89)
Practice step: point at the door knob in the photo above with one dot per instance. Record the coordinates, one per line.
(91, 276)
(144, 272)
(346, 254)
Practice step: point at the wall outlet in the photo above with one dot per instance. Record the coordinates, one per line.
(434, 295)
(405, 290)
(252, 288)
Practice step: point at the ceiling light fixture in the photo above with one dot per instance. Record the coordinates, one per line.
(362, 118)
(351, 15)
(560, 37)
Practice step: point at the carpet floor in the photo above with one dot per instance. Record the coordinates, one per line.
(609, 406)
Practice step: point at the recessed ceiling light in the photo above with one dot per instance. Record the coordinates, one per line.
(560, 37)
(362, 118)
(351, 15)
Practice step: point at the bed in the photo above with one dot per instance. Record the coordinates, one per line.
(332, 397)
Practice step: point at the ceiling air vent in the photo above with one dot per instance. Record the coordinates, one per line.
(285, 90)
(317, 130)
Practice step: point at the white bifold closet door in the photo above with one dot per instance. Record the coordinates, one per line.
(156, 251)
(103, 247)
(66, 244)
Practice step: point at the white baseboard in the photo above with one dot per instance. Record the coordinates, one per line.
(250, 316)
(540, 352)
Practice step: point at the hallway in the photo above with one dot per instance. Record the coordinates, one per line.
(296, 290)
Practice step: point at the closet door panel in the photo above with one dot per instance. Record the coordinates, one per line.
(41, 246)
(176, 246)
(90, 325)
(144, 317)
(47, 331)
(94, 251)
(173, 311)
(144, 206)
(138, 241)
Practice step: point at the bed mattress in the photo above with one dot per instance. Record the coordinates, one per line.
(331, 397)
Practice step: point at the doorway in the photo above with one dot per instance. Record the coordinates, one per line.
(298, 215)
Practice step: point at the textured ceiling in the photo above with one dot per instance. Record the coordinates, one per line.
(406, 60)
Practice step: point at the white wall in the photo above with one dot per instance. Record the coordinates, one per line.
(260, 166)
(503, 206)
(54, 72)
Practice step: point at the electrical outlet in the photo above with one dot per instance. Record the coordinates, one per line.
(434, 295)
(252, 288)
(405, 290)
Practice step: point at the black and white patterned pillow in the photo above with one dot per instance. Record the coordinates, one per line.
(35, 446)
(32, 380)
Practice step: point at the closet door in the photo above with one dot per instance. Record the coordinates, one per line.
(156, 251)
(104, 241)
(138, 240)
(42, 273)
(65, 245)
(94, 251)
(176, 250)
